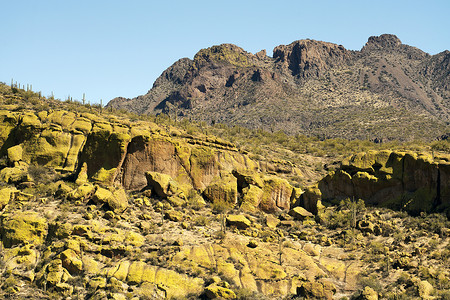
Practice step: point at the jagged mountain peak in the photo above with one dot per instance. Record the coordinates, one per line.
(382, 42)
(308, 58)
(311, 87)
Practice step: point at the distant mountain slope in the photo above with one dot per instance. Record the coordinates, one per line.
(386, 91)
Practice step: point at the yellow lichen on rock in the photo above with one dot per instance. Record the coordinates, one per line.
(23, 227)
(222, 189)
(15, 153)
(251, 199)
(6, 194)
(276, 195)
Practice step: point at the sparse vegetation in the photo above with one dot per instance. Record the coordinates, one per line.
(393, 253)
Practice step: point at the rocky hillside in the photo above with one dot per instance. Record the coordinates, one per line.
(99, 205)
(386, 91)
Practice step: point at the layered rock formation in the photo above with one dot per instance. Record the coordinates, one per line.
(110, 152)
(413, 182)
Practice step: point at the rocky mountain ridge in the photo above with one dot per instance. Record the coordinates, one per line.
(382, 92)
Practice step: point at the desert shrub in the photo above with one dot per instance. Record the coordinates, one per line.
(371, 281)
(443, 146)
(201, 221)
(346, 214)
(42, 174)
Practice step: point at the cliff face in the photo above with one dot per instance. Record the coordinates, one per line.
(309, 58)
(413, 182)
(310, 87)
(111, 152)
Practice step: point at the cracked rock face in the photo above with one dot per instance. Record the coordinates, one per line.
(414, 182)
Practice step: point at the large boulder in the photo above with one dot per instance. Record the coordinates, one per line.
(299, 213)
(116, 199)
(6, 194)
(217, 292)
(167, 188)
(16, 174)
(23, 227)
(71, 261)
(368, 294)
(316, 290)
(15, 153)
(311, 199)
(222, 190)
(251, 198)
(276, 195)
(238, 221)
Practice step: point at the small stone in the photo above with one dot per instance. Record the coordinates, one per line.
(299, 213)
(178, 242)
(252, 244)
(64, 289)
(272, 222)
(288, 223)
(173, 215)
(109, 215)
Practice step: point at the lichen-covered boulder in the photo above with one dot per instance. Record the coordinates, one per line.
(116, 199)
(71, 261)
(238, 221)
(119, 202)
(244, 179)
(101, 195)
(368, 294)
(15, 153)
(252, 196)
(15, 174)
(21, 261)
(272, 221)
(311, 199)
(299, 213)
(53, 274)
(165, 187)
(276, 195)
(218, 292)
(316, 290)
(82, 193)
(6, 194)
(173, 215)
(222, 190)
(23, 227)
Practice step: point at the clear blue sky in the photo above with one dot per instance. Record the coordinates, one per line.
(118, 48)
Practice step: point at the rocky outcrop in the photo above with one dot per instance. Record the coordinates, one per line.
(384, 41)
(107, 156)
(402, 180)
(309, 58)
(23, 227)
